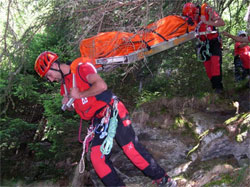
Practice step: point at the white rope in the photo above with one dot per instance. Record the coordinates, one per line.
(82, 163)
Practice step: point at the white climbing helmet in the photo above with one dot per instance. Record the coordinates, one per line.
(242, 32)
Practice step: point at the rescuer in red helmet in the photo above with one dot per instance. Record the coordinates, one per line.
(241, 55)
(210, 47)
(94, 102)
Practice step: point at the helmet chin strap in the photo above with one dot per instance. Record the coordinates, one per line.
(60, 71)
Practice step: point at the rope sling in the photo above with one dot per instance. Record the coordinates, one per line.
(85, 144)
(108, 142)
(202, 54)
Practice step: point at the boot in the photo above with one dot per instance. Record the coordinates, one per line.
(166, 181)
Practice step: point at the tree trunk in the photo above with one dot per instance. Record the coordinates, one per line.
(247, 19)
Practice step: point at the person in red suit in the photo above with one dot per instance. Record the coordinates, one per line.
(241, 53)
(94, 102)
(207, 20)
(242, 56)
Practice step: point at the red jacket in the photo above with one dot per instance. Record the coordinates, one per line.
(86, 107)
(240, 50)
(204, 27)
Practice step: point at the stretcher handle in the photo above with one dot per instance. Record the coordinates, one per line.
(71, 100)
(64, 106)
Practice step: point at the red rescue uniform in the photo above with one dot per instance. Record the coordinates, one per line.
(212, 63)
(244, 54)
(94, 108)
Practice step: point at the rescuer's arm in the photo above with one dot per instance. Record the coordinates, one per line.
(236, 38)
(98, 86)
(214, 19)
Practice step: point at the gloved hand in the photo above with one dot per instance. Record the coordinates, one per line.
(190, 21)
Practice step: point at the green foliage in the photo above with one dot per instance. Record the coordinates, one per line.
(242, 122)
(181, 122)
(14, 132)
(3, 85)
(229, 179)
(48, 142)
(15, 135)
(180, 75)
(147, 96)
(225, 180)
(57, 125)
(33, 116)
(45, 140)
(123, 85)
(25, 87)
(242, 173)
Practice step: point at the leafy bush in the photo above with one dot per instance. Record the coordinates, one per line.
(14, 132)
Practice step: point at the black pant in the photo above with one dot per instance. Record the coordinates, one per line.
(238, 68)
(128, 141)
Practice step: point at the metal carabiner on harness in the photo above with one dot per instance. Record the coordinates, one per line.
(102, 127)
(203, 49)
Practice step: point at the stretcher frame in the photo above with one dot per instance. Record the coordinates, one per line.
(110, 62)
(142, 53)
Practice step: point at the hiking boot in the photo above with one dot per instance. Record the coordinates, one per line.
(166, 181)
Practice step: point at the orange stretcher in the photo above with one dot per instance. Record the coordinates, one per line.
(123, 47)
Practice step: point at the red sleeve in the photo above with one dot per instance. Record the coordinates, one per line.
(236, 48)
(237, 44)
(86, 69)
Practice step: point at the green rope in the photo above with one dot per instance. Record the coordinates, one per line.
(108, 142)
(204, 53)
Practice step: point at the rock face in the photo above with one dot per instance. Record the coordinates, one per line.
(196, 149)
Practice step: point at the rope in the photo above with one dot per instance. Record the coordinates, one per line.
(108, 142)
(79, 132)
(103, 125)
(92, 130)
(85, 143)
(203, 53)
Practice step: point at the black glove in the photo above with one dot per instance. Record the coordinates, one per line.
(190, 21)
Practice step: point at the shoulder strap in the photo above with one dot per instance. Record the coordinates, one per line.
(76, 62)
(78, 71)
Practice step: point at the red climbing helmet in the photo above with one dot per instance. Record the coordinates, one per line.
(189, 10)
(44, 62)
